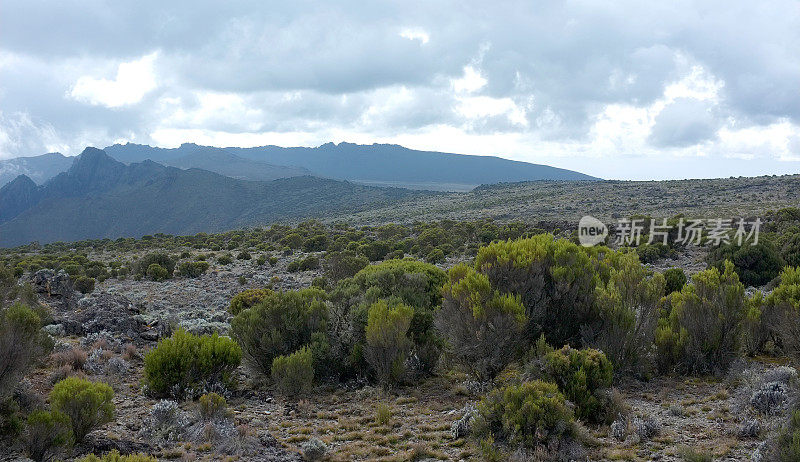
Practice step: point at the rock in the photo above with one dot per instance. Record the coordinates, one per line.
(54, 284)
(107, 312)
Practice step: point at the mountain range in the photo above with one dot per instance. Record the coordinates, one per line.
(376, 164)
(100, 197)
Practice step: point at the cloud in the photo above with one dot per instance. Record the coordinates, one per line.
(133, 80)
(610, 88)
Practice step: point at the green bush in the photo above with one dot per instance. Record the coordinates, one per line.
(779, 313)
(243, 256)
(157, 272)
(160, 259)
(47, 434)
(699, 328)
(192, 269)
(386, 342)
(789, 439)
(316, 243)
(84, 284)
(343, 264)
(675, 280)
(278, 325)
(185, 361)
(22, 343)
(247, 299)
(483, 328)
(581, 375)
(756, 265)
(435, 256)
(88, 405)
(224, 260)
(294, 374)
(114, 456)
(627, 311)
(212, 406)
(530, 414)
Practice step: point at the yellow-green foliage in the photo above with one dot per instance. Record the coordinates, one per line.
(47, 433)
(529, 414)
(212, 406)
(186, 360)
(280, 324)
(482, 326)
(114, 456)
(87, 404)
(699, 328)
(247, 299)
(294, 374)
(387, 344)
(789, 439)
(581, 375)
(22, 342)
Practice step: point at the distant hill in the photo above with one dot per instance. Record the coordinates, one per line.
(38, 168)
(379, 164)
(100, 197)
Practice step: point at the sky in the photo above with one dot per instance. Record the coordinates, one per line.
(621, 90)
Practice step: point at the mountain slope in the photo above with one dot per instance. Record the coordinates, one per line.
(223, 162)
(99, 197)
(374, 164)
(38, 168)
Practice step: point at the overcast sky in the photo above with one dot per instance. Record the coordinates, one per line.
(623, 89)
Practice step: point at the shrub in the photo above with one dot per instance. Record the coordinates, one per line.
(212, 406)
(789, 438)
(435, 256)
(756, 265)
(482, 328)
(47, 434)
(316, 243)
(627, 309)
(581, 375)
(243, 256)
(184, 361)
(279, 325)
(225, 259)
(22, 343)
(247, 299)
(84, 284)
(294, 374)
(555, 280)
(157, 272)
(160, 259)
(114, 456)
(344, 264)
(192, 269)
(699, 327)
(779, 313)
(383, 414)
(386, 341)
(675, 280)
(531, 414)
(87, 404)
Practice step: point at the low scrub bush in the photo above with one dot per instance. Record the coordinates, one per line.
(756, 265)
(483, 329)
(192, 269)
(779, 313)
(789, 438)
(675, 279)
(115, 456)
(163, 260)
(699, 328)
(212, 406)
(294, 374)
(157, 272)
(22, 343)
(386, 342)
(88, 405)
(247, 299)
(531, 414)
(280, 324)
(185, 361)
(343, 264)
(47, 435)
(84, 284)
(582, 375)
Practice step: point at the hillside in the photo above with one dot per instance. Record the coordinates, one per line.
(99, 197)
(37, 168)
(381, 164)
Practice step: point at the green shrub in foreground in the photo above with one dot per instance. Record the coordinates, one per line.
(87, 404)
(386, 340)
(47, 434)
(789, 439)
(22, 343)
(114, 456)
(192, 269)
(294, 374)
(84, 284)
(581, 375)
(247, 299)
(157, 272)
(186, 360)
(530, 414)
